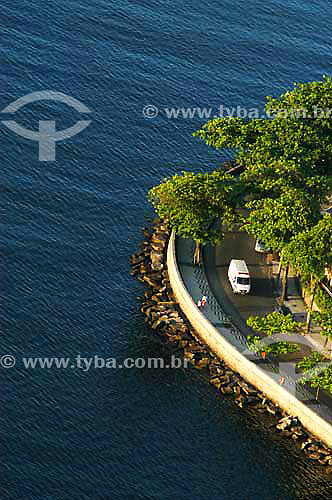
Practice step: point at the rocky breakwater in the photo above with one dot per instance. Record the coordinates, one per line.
(164, 315)
(159, 304)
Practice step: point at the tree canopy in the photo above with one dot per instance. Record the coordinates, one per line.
(276, 220)
(324, 320)
(310, 251)
(323, 378)
(271, 324)
(193, 202)
(274, 323)
(272, 178)
(297, 128)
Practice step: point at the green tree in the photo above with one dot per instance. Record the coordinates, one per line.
(323, 379)
(274, 323)
(271, 179)
(310, 252)
(277, 220)
(193, 202)
(295, 129)
(271, 324)
(324, 321)
(276, 349)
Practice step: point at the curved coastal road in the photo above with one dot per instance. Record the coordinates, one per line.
(261, 299)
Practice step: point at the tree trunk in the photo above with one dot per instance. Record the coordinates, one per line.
(279, 269)
(284, 285)
(312, 298)
(317, 393)
(280, 265)
(197, 253)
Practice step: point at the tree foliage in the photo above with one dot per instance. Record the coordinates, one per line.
(310, 251)
(274, 323)
(323, 379)
(193, 202)
(323, 300)
(324, 321)
(285, 134)
(277, 220)
(271, 324)
(276, 349)
(272, 178)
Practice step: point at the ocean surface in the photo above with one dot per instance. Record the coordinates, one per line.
(69, 227)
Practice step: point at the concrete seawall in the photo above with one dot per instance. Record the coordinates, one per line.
(237, 361)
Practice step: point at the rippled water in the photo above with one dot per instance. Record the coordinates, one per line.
(69, 227)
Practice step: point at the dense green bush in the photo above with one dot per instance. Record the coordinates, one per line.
(323, 300)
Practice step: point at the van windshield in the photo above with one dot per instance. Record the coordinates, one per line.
(243, 281)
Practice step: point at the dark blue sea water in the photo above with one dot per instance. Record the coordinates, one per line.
(68, 228)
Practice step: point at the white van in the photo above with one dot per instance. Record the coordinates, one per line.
(239, 276)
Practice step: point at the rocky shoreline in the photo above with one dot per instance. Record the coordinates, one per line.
(164, 315)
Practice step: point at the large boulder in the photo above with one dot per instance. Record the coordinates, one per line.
(156, 261)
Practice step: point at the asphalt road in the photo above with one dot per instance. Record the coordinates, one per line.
(261, 299)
